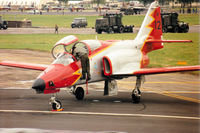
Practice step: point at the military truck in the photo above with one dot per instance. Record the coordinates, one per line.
(132, 10)
(79, 22)
(170, 23)
(3, 24)
(112, 23)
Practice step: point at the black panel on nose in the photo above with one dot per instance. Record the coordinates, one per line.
(39, 85)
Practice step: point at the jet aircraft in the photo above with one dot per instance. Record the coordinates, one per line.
(109, 60)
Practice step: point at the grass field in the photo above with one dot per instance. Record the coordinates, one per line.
(65, 20)
(170, 55)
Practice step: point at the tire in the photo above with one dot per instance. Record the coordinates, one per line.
(164, 30)
(176, 29)
(121, 29)
(135, 99)
(110, 30)
(56, 106)
(73, 26)
(186, 29)
(99, 31)
(79, 93)
(5, 27)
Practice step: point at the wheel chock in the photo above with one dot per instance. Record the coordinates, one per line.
(58, 110)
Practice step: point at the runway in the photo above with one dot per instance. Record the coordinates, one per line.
(168, 110)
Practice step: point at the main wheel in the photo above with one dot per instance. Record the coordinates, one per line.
(56, 105)
(79, 93)
(135, 98)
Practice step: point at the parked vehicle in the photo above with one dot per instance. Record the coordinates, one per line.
(111, 23)
(170, 23)
(79, 22)
(3, 24)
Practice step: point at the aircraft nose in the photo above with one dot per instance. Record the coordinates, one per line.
(39, 85)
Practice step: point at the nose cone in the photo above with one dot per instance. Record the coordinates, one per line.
(39, 85)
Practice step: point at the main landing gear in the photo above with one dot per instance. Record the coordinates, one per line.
(136, 93)
(79, 93)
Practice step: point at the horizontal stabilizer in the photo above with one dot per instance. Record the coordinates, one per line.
(167, 41)
(24, 65)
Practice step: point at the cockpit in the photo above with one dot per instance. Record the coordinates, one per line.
(64, 59)
(63, 49)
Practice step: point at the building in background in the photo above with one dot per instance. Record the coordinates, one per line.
(25, 3)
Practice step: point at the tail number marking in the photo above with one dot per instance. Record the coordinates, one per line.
(157, 25)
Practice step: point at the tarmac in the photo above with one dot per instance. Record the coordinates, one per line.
(170, 103)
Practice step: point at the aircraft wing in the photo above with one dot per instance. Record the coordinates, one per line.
(148, 71)
(166, 70)
(24, 65)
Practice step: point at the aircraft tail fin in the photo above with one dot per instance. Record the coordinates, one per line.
(151, 29)
(149, 37)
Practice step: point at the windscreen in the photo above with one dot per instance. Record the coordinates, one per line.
(64, 59)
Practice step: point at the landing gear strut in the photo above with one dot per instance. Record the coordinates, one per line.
(136, 94)
(56, 104)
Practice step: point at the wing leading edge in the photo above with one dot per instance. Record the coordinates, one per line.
(24, 65)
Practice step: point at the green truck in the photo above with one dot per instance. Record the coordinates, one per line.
(170, 23)
(112, 23)
(3, 24)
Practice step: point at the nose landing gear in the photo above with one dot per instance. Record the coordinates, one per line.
(56, 104)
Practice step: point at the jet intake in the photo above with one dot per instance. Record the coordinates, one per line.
(107, 66)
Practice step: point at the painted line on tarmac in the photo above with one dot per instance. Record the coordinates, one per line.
(164, 82)
(182, 97)
(171, 94)
(122, 90)
(167, 93)
(100, 114)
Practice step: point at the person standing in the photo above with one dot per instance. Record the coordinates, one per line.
(56, 29)
(82, 54)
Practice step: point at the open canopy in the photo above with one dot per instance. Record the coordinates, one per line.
(64, 45)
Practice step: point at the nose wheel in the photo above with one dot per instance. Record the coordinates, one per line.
(56, 104)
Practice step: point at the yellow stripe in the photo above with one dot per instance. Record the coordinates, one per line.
(147, 26)
(177, 96)
(102, 50)
(167, 93)
(76, 73)
(182, 92)
(156, 82)
(181, 97)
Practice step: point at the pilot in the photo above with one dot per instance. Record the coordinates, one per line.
(82, 54)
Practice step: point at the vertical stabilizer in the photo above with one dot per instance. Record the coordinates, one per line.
(151, 29)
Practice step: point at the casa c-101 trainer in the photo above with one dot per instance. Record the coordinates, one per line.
(109, 60)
